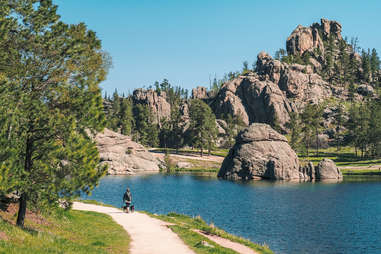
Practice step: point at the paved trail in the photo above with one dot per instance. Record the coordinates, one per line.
(148, 235)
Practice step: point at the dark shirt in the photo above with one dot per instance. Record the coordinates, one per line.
(127, 197)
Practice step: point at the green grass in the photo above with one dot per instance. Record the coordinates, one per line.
(184, 226)
(93, 202)
(64, 232)
(360, 172)
(193, 240)
(218, 152)
(345, 157)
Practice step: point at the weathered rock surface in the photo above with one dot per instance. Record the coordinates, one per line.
(311, 38)
(157, 103)
(270, 93)
(260, 152)
(123, 156)
(327, 169)
(200, 92)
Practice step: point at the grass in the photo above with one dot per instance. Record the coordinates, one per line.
(360, 172)
(185, 226)
(194, 241)
(93, 202)
(63, 232)
(218, 152)
(344, 157)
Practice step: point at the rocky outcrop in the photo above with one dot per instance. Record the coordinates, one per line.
(260, 153)
(327, 169)
(309, 39)
(157, 103)
(200, 92)
(270, 93)
(123, 156)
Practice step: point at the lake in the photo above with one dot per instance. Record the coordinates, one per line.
(289, 217)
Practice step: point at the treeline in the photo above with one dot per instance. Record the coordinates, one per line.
(196, 127)
(357, 125)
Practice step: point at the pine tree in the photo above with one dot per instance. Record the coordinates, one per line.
(374, 63)
(202, 125)
(245, 67)
(311, 120)
(294, 126)
(126, 118)
(366, 67)
(52, 88)
(339, 122)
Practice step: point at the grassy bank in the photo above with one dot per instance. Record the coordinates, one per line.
(218, 152)
(62, 232)
(361, 172)
(185, 227)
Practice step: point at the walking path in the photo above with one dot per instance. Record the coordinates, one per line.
(240, 248)
(148, 235)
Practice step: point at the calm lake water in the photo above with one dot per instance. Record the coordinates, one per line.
(289, 217)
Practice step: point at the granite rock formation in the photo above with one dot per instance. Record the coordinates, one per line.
(262, 153)
(308, 39)
(157, 103)
(327, 169)
(270, 93)
(123, 156)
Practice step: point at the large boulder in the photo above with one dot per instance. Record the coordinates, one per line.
(260, 153)
(123, 156)
(327, 169)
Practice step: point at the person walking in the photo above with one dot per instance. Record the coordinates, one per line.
(127, 199)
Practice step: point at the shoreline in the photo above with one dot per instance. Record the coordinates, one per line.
(172, 233)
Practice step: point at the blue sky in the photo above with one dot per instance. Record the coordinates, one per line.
(188, 42)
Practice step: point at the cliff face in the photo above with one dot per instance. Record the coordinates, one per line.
(270, 93)
(157, 103)
(308, 39)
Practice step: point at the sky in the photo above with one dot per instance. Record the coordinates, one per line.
(191, 42)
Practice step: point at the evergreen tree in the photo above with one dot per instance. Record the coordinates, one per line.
(294, 126)
(52, 97)
(146, 132)
(366, 67)
(339, 122)
(202, 125)
(374, 63)
(126, 118)
(245, 67)
(311, 119)
(343, 62)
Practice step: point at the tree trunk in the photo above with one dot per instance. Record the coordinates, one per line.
(201, 151)
(22, 210)
(24, 197)
(317, 143)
